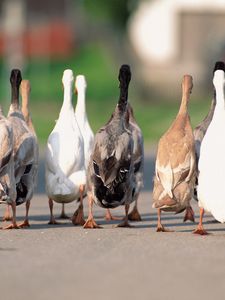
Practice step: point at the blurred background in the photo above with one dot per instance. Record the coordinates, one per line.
(160, 39)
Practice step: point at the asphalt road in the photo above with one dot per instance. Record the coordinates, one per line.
(66, 262)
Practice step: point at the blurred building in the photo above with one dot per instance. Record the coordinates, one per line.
(174, 37)
(30, 28)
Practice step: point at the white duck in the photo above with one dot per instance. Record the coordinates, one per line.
(65, 172)
(24, 145)
(211, 188)
(81, 117)
(200, 130)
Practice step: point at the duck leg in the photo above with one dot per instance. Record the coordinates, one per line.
(7, 216)
(14, 224)
(90, 223)
(63, 214)
(26, 223)
(134, 215)
(125, 222)
(160, 227)
(78, 216)
(109, 217)
(52, 220)
(200, 230)
(189, 215)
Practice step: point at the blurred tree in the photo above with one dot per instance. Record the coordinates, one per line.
(116, 12)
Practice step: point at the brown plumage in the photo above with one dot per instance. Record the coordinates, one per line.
(175, 169)
(24, 145)
(25, 93)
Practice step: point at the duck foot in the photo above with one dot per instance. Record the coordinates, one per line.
(63, 216)
(134, 215)
(11, 226)
(125, 224)
(78, 217)
(109, 217)
(200, 230)
(7, 216)
(24, 224)
(91, 224)
(161, 228)
(189, 215)
(53, 221)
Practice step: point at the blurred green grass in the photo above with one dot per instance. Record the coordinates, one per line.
(98, 65)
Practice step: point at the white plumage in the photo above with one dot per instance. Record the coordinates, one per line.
(65, 171)
(211, 186)
(81, 117)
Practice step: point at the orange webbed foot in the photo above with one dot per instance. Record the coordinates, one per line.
(24, 224)
(189, 215)
(11, 226)
(163, 229)
(134, 215)
(78, 217)
(53, 221)
(124, 224)
(200, 230)
(91, 224)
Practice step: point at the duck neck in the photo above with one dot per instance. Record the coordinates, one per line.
(184, 103)
(219, 95)
(67, 98)
(15, 96)
(25, 105)
(81, 105)
(122, 104)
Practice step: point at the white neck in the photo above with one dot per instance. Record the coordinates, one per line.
(67, 99)
(81, 106)
(218, 82)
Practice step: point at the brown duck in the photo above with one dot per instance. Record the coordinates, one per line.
(175, 169)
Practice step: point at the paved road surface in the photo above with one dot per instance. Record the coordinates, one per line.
(67, 262)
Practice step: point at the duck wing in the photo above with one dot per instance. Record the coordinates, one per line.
(111, 161)
(174, 164)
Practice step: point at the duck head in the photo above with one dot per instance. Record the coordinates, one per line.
(187, 84)
(218, 78)
(124, 76)
(15, 77)
(15, 80)
(80, 83)
(68, 77)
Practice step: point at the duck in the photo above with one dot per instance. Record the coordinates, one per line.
(211, 160)
(65, 175)
(175, 167)
(138, 156)
(200, 130)
(7, 178)
(82, 119)
(110, 176)
(31, 178)
(24, 145)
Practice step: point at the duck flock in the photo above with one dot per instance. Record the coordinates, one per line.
(108, 167)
